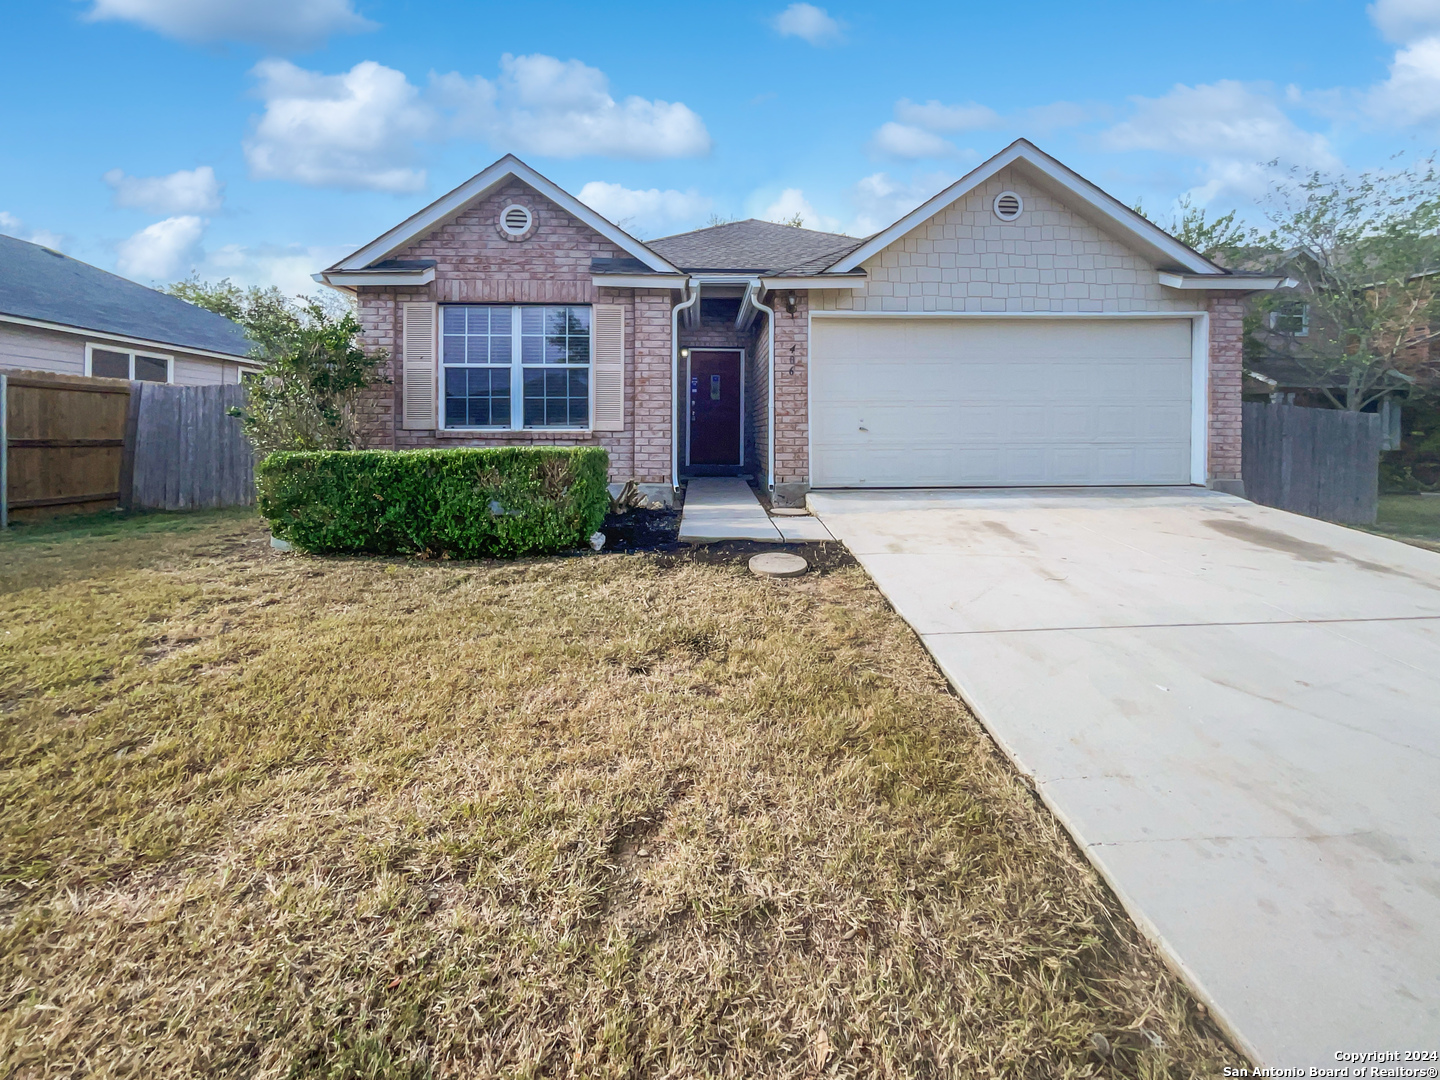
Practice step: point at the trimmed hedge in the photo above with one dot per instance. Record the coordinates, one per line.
(467, 502)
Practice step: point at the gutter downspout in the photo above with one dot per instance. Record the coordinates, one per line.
(690, 301)
(756, 290)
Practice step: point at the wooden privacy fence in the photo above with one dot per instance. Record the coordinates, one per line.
(188, 452)
(64, 441)
(1323, 463)
(70, 442)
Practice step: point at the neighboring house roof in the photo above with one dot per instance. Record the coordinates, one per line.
(417, 225)
(39, 285)
(1070, 186)
(753, 246)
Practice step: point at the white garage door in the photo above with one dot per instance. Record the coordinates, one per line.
(999, 402)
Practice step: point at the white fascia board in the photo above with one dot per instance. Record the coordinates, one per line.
(415, 226)
(639, 281)
(121, 339)
(351, 278)
(1225, 282)
(820, 281)
(1085, 194)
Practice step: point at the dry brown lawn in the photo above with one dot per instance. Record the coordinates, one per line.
(265, 815)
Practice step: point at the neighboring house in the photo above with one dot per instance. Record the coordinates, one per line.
(59, 314)
(1281, 368)
(1022, 327)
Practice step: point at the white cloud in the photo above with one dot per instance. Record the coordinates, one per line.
(365, 128)
(904, 141)
(1406, 20)
(276, 24)
(949, 119)
(880, 200)
(356, 130)
(163, 251)
(917, 130)
(791, 204)
(813, 24)
(1230, 127)
(563, 108)
(188, 191)
(287, 267)
(1411, 95)
(644, 213)
(11, 225)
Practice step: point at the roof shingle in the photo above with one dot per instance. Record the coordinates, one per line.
(753, 246)
(44, 285)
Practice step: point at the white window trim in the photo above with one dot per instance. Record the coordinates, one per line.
(1304, 331)
(91, 346)
(517, 373)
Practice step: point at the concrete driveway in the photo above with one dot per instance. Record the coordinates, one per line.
(1236, 713)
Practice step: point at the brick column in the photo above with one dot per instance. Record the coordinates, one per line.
(652, 412)
(1227, 337)
(792, 398)
(375, 407)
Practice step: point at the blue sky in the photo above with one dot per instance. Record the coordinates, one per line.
(263, 139)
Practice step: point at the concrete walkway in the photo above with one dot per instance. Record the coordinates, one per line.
(724, 508)
(1235, 712)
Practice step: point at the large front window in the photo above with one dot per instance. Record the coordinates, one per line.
(516, 366)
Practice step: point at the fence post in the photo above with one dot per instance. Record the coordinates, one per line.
(127, 452)
(4, 451)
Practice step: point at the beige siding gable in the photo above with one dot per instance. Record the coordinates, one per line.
(966, 259)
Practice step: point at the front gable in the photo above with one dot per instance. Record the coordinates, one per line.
(1053, 257)
(476, 261)
(387, 249)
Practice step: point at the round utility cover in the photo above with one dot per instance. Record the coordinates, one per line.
(778, 564)
(789, 511)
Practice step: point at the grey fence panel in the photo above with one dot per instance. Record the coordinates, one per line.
(189, 453)
(1323, 463)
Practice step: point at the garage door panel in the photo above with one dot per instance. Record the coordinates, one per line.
(1008, 402)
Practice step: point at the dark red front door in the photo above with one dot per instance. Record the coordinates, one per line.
(714, 407)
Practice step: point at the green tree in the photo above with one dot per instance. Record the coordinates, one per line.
(1222, 240)
(304, 397)
(271, 319)
(1366, 252)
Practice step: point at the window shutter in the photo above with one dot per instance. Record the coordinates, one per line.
(609, 371)
(418, 366)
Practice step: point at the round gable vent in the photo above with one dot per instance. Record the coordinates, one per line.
(516, 219)
(1008, 206)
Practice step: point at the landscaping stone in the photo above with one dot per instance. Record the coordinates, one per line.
(778, 564)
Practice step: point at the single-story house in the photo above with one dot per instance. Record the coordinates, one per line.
(1020, 328)
(62, 315)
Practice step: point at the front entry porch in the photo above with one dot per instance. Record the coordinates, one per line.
(716, 390)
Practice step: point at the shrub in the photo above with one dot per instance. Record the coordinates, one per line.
(468, 503)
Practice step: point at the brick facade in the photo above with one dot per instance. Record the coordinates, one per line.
(792, 394)
(1227, 337)
(962, 259)
(476, 264)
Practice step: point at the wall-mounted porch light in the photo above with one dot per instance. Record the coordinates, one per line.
(684, 354)
(790, 303)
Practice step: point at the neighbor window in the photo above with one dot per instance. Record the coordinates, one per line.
(515, 366)
(1292, 318)
(118, 364)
